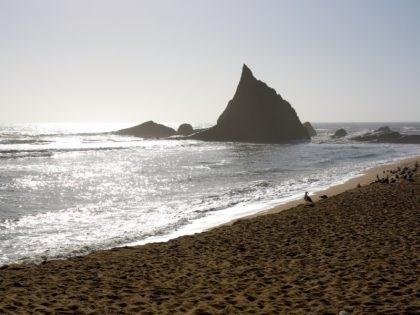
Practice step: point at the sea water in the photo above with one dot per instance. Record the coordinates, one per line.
(69, 189)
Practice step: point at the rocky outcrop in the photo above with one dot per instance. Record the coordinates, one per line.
(255, 114)
(148, 129)
(311, 131)
(340, 133)
(185, 130)
(386, 135)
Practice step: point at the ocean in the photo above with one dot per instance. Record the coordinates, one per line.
(70, 189)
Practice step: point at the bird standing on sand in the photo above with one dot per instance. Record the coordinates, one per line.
(308, 199)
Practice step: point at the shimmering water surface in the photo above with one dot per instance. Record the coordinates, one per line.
(71, 189)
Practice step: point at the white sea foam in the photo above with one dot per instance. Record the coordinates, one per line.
(66, 192)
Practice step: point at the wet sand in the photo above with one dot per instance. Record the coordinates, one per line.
(357, 251)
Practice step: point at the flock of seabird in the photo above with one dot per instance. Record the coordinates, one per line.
(405, 173)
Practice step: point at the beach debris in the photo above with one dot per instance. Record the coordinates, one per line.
(241, 247)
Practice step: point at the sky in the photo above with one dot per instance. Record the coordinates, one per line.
(180, 61)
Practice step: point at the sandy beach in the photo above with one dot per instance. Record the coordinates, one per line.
(356, 251)
(365, 178)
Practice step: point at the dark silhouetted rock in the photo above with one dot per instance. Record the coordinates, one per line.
(185, 129)
(340, 133)
(311, 131)
(386, 135)
(148, 129)
(255, 114)
(383, 129)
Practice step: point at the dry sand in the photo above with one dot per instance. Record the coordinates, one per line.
(357, 251)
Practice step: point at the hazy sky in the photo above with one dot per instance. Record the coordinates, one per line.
(180, 61)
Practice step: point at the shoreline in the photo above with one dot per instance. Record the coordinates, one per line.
(365, 178)
(356, 251)
(247, 212)
(196, 227)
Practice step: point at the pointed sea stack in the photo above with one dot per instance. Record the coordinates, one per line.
(256, 114)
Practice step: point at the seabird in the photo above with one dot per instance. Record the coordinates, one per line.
(323, 196)
(308, 199)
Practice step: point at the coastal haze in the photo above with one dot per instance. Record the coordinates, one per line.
(107, 61)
